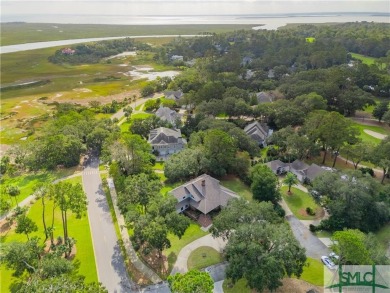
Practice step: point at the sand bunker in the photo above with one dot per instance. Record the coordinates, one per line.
(375, 134)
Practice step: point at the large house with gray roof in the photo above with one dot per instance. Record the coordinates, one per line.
(166, 141)
(169, 115)
(258, 132)
(203, 194)
(303, 171)
(173, 95)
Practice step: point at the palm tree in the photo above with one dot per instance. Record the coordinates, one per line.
(290, 180)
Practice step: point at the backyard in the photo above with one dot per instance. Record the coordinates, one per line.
(235, 184)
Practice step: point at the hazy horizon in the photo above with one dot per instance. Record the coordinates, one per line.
(23, 10)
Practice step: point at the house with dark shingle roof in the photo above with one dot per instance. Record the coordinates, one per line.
(203, 193)
(169, 115)
(166, 141)
(173, 95)
(304, 172)
(278, 167)
(264, 97)
(258, 132)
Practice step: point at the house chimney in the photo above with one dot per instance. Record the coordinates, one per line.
(203, 182)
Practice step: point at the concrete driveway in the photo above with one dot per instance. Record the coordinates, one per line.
(109, 260)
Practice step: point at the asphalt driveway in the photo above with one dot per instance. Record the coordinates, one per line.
(314, 247)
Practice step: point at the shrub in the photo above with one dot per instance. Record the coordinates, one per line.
(310, 211)
(312, 228)
(366, 170)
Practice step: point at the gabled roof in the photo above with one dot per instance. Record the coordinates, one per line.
(173, 95)
(256, 131)
(163, 135)
(299, 165)
(313, 171)
(205, 192)
(166, 114)
(275, 164)
(263, 97)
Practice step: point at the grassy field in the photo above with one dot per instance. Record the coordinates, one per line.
(203, 257)
(235, 184)
(27, 182)
(313, 272)
(365, 59)
(298, 201)
(78, 228)
(192, 233)
(239, 286)
(368, 138)
(17, 33)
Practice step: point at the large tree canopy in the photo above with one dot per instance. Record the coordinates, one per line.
(264, 184)
(264, 254)
(240, 211)
(193, 281)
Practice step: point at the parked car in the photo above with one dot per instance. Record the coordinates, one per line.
(334, 256)
(329, 264)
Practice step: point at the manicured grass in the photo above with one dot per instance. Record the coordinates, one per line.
(239, 286)
(192, 233)
(313, 272)
(236, 185)
(310, 40)
(298, 201)
(365, 59)
(368, 138)
(158, 166)
(140, 115)
(203, 257)
(323, 234)
(78, 229)
(28, 181)
(383, 236)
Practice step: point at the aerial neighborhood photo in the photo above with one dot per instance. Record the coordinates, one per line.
(195, 146)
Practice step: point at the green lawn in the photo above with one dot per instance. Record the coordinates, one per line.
(158, 166)
(313, 272)
(235, 184)
(192, 233)
(203, 257)
(365, 59)
(368, 138)
(298, 201)
(28, 181)
(78, 229)
(140, 115)
(240, 286)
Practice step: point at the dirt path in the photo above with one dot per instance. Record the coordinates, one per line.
(375, 134)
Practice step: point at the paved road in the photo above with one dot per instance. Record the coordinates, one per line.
(109, 260)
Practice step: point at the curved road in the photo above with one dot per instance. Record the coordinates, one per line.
(109, 260)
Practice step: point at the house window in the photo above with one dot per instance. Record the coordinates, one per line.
(181, 208)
